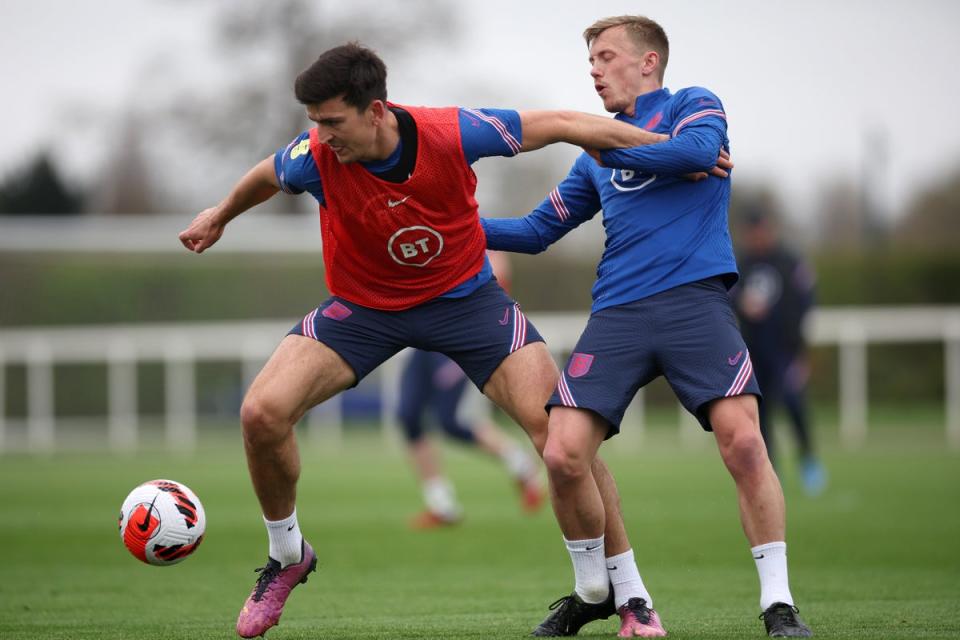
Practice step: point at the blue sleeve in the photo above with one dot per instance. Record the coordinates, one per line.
(296, 170)
(573, 202)
(489, 132)
(698, 134)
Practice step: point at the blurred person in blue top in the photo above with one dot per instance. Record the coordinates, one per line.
(433, 383)
(660, 307)
(772, 300)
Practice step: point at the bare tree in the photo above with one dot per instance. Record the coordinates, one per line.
(204, 135)
(125, 186)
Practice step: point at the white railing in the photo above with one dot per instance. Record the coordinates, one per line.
(181, 346)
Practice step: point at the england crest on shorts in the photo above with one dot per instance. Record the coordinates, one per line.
(337, 311)
(579, 364)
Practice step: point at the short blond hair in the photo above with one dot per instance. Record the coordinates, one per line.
(645, 33)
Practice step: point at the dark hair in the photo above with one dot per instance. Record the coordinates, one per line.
(350, 70)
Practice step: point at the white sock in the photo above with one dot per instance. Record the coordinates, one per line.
(625, 576)
(440, 498)
(771, 559)
(589, 569)
(285, 539)
(518, 463)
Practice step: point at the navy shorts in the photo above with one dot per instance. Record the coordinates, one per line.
(688, 334)
(476, 331)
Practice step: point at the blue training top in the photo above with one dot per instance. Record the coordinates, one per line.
(662, 229)
(483, 133)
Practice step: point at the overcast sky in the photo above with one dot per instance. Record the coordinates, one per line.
(805, 84)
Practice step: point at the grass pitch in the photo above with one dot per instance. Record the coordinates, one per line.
(876, 556)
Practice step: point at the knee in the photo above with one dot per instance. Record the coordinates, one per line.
(564, 464)
(745, 453)
(263, 422)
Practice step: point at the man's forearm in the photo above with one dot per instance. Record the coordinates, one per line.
(587, 130)
(258, 185)
(540, 128)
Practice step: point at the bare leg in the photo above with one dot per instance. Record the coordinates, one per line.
(301, 373)
(614, 533)
(491, 439)
(522, 385)
(574, 437)
(762, 512)
(737, 430)
(439, 495)
(426, 460)
(521, 466)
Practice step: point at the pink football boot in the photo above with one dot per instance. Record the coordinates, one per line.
(263, 608)
(637, 620)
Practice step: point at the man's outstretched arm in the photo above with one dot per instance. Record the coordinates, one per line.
(573, 202)
(540, 128)
(258, 185)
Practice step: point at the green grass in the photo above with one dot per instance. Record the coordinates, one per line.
(876, 556)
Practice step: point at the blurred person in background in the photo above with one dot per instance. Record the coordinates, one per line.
(660, 307)
(406, 266)
(432, 381)
(772, 300)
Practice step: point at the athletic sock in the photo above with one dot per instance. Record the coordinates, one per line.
(627, 583)
(771, 559)
(589, 569)
(440, 498)
(285, 539)
(518, 463)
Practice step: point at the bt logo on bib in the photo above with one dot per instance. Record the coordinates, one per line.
(415, 246)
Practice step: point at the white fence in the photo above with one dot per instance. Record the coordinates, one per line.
(181, 346)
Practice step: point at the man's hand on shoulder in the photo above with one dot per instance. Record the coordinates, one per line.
(203, 232)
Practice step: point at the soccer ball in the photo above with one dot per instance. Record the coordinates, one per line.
(162, 522)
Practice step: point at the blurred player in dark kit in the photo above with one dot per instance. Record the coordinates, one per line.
(772, 300)
(433, 383)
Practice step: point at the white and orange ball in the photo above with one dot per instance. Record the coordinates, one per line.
(162, 522)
